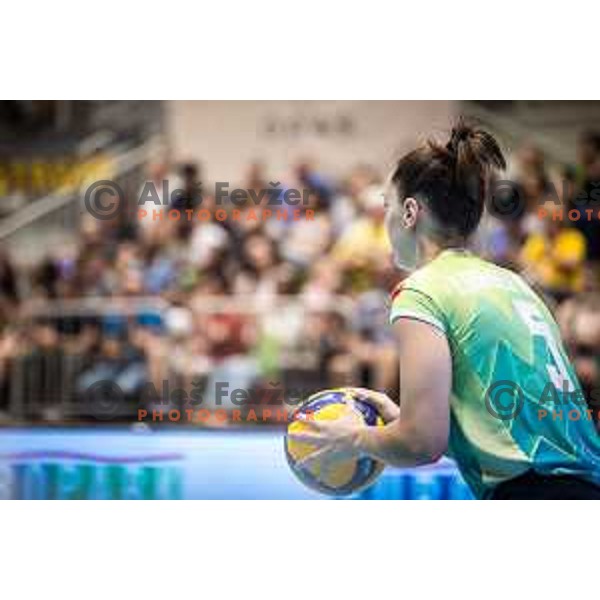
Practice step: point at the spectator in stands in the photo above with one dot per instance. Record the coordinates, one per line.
(527, 163)
(579, 320)
(189, 198)
(364, 246)
(308, 238)
(309, 178)
(588, 193)
(346, 207)
(554, 258)
(324, 281)
(154, 194)
(209, 239)
(117, 361)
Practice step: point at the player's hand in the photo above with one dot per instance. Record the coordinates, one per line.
(334, 440)
(382, 403)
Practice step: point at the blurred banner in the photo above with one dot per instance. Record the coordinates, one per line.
(143, 464)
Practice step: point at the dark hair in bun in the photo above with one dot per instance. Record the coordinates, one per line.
(451, 180)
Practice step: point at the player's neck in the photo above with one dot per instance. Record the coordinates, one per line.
(428, 250)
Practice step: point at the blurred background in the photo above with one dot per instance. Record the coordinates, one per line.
(294, 305)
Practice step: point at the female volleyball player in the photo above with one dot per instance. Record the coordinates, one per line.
(484, 376)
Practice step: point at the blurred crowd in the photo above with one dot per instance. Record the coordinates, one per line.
(261, 303)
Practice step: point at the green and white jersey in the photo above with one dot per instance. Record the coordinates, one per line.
(516, 403)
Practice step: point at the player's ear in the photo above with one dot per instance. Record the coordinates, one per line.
(410, 212)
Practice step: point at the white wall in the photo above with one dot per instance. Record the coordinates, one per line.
(227, 135)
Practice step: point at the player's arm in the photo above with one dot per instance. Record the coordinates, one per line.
(420, 434)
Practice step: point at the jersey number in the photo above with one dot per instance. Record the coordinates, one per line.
(531, 316)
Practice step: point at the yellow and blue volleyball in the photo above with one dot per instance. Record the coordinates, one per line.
(342, 477)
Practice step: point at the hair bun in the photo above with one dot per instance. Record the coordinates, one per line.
(452, 180)
(473, 149)
(460, 133)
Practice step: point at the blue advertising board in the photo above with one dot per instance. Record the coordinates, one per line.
(100, 463)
